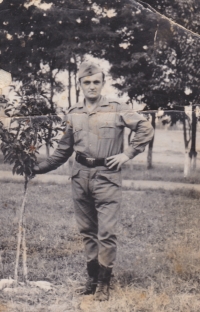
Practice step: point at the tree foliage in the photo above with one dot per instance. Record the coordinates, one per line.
(183, 12)
(28, 131)
(155, 61)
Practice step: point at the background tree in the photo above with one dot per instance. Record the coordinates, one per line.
(185, 91)
(38, 45)
(155, 59)
(158, 60)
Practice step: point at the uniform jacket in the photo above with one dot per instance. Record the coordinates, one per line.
(99, 134)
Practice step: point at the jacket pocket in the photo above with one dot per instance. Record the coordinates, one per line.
(107, 132)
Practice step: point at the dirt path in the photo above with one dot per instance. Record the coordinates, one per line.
(135, 184)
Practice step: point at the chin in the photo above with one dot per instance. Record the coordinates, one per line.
(93, 97)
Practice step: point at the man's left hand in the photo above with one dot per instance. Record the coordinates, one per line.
(116, 160)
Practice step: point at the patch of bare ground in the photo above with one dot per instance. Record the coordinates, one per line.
(158, 264)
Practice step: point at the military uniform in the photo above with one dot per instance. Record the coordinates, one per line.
(96, 190)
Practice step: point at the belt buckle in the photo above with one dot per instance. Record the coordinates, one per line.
(90, 161)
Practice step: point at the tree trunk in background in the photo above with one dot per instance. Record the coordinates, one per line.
(49, 139)
(51, 92)
(51, 65)
(190, 153)
(77, 91)
(51, 78)
(69, 87)
(193, 153)
(186, 143)
(150, 148)
(77, 88)
(186, 163)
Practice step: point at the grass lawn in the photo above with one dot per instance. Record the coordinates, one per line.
(160, 172)
(158, 264)
(137, 171)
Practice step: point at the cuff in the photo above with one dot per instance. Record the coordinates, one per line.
(36, 169)
(42, 168)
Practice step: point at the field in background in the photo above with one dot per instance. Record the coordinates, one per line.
(169, 148)
(168, 160)
(157, 268)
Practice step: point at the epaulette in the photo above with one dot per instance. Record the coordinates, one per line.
(71, 109)
(121, 105)
(114, 101)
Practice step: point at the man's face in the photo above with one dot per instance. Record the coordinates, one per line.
(92, 86)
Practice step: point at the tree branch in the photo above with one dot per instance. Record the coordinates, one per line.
(149, 7)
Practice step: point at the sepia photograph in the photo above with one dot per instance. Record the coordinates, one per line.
(100, 156)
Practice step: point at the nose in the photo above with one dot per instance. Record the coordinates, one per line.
(92, 86)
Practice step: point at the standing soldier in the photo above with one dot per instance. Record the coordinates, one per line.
(95, 128)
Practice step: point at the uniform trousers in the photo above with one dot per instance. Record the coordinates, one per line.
(97, 194)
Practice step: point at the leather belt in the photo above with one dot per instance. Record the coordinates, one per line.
(89, 161)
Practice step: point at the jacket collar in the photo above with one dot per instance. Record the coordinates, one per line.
(102, 102)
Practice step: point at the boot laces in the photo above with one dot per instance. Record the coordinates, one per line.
(102, 286)
(89, 283)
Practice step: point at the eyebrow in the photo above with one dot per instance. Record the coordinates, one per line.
(86, 81)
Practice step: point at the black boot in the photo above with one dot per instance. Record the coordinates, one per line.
(91, 284)
(103, 284)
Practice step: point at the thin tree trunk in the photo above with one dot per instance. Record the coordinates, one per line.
(69, 87)
(194, 162)
(25, 270)
(193, 153)
(185, 132)
(51, 78)
(21, 225)
(186, 163)
(150, 149)
(186, 142)
(190, 154)
(77, 91)
(49, 138)
(129, 140)
(76, 87)
(51, 65)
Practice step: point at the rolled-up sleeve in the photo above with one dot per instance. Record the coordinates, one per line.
(143, 129)
(63, 151)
